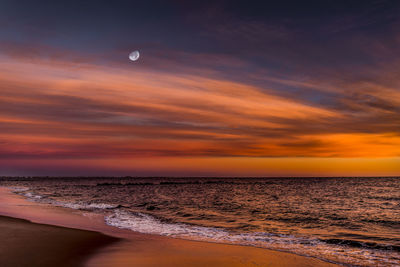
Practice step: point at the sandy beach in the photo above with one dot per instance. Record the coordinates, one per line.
(96, 244)
(31, 244)
(169, 252)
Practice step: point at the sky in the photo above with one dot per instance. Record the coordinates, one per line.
(221, 88)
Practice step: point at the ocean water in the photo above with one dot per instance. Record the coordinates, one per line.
(350, 221)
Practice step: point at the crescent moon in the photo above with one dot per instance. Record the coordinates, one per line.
(134, 55)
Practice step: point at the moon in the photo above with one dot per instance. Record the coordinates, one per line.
(134, 55)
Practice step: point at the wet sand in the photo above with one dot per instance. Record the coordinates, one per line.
(31, 244)
(169, 252)
(37, 244)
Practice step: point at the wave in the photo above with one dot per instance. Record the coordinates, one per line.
(184, 183)
(148, 224)
(328, 250)
(18, 189)
(144, 223)
(360, 244)
(87, 206)
(72, 205)
(123, 184)
(33, 196)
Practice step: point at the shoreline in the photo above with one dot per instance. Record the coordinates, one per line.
(137, 249)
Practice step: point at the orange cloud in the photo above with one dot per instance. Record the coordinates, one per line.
(63, 110)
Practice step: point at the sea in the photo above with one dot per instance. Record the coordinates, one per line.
(351, 221)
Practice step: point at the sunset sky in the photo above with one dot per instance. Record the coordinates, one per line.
(227, 88)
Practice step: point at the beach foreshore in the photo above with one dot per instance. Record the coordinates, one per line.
(31, 244)
(44, 235)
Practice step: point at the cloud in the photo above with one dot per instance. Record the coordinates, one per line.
(92, 111)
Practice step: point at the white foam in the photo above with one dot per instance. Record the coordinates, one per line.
(18, 189)
(77, 206)
(33, 196)
(84, 206)
(143, 223)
